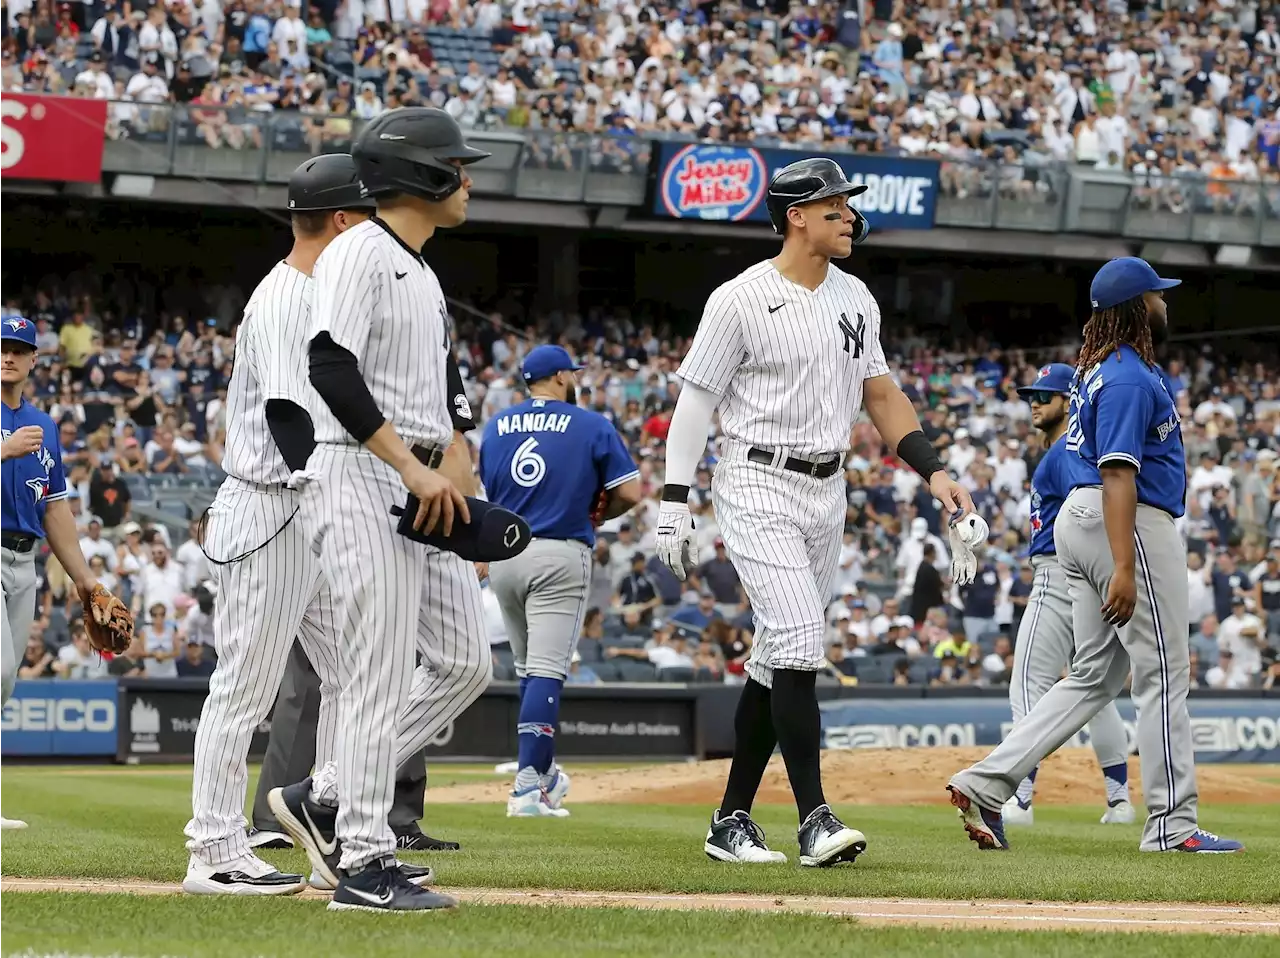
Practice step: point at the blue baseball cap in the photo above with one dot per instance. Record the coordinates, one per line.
(1053, 378)
(1124, 278)
(545, 361)
(18, 329)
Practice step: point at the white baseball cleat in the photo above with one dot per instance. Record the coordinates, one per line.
(558, 788)
(249, 875)
(532, 803)
(11, 823)
(1121, 813)
(736, 838)
(1014, 814)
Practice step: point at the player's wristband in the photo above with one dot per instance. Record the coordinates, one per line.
(673, 493)
(918, 453)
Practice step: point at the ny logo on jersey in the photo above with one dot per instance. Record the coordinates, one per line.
(853, 336)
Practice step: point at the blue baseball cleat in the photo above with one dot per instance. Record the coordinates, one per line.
(1207, 843)
(984, 826)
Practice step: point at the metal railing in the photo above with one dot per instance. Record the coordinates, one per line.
(230, 144)
(238, 144)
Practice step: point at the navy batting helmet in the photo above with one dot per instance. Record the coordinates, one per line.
(413, 150)
(327, 182)
(805, 181)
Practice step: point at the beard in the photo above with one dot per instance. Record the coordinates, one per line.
(1159, 334)
(571, 395)
(1051, 421)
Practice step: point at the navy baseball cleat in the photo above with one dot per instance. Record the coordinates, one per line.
(420, 875)
(264, 838)
(412, 839)
(1207, 843)
(826, 841)
(313, 826)
(983, 825)
(384, 887)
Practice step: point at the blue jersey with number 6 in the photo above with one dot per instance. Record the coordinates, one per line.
(546, 460)
(1121, 412)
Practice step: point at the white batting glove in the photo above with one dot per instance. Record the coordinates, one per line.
(298, 480)
(674, 543)
(966, 533)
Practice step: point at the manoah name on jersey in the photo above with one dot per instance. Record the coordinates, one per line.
(1122, 412)
(534, 422)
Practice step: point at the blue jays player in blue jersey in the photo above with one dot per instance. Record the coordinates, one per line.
(1046, 640)
(1126, 569)
(551, 462)
(33, 504)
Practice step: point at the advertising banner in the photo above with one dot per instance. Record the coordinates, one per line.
(1222, 730)
(160, 720)
(729, 183)
(53, 717)
(52, 138)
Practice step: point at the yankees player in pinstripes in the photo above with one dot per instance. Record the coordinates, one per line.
(379, 342)
(1045, 637)
(547, 460)
(269, 585)
(788, 350)
(1125, 565)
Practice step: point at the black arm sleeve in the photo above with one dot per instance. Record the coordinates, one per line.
(335, 373)
(293, 431)
(918, 453)
(459, 406)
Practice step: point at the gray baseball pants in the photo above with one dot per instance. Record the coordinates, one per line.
(17, 610)
(542, 593)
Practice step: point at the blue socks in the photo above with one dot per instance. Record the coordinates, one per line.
(539, 715)
(1026, 788)
(1116, 778)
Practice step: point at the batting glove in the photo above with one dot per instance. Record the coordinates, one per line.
(674, 543)
(966, 533)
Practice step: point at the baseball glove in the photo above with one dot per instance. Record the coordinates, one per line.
(108, 622)
(599, 506)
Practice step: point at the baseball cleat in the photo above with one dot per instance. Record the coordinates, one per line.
(558, 788)
(420, 875)
(1013, 812)
(264, 838)
(826, 841)
(736, 838)
(532, 802)
(1207, 843)
(983, 825)
(412, 839)
(312, 826)
(385, 888)
(244, 876)
(11, 823)
(1121, 813)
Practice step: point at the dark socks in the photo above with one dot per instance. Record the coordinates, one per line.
(799, 730)
(753, 745)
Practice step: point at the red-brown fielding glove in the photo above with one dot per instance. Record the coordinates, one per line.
(107, 621)
(598, 510)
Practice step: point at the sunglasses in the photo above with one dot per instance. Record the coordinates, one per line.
(1042, 397)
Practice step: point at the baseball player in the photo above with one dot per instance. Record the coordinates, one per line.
(787, 351)
(269, 583)
(1045, 638)
(1125, 566)
(34, 503)
(291, 749)
(547, 460)
(377, 359)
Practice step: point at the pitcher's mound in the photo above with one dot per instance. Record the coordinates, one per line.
(867, 776)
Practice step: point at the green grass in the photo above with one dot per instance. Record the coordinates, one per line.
(219, 927)
(88, 824)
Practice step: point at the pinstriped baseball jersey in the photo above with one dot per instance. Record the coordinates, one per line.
(271, 350)
(377, 299)
(788, 362)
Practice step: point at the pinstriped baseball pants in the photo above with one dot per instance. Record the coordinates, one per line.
(264, 602)
(783, 532)
(392, 597)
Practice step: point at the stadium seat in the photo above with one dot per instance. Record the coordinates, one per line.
(677, 674)
(606, 670)
(633, 670)
(590, 650)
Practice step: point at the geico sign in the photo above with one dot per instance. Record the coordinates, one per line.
(59, 715)
(898, 736)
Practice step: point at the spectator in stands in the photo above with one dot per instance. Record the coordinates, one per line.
(699, 615)
(636, 591)
(159, 581)
(130, 664)
(666, 649)
(708, 662)
(78, 660)
(996, 665)
(718, 576)
(979, 598)
(1224, 675)
(839, 661)
(926, 591)
(1242, 634)
(37, 660)
(957, 645)
(93, 544)
(580, 674)
(165, 458)
(193, 664)
(159, 639)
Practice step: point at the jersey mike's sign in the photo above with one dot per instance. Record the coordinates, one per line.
(729, 183)
(52, 138)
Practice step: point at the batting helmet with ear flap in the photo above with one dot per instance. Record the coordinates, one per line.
(413, 150)
(805, 181)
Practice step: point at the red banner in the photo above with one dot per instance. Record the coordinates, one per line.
(52, 137)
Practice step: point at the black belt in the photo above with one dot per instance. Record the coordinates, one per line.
(429, 456)
(16, 542)
(819, 470)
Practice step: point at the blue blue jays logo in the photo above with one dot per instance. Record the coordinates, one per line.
(714, 183)
(39, 487)
(17, 323)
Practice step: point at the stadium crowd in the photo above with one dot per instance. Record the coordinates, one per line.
(142, 414)
(1177, 93)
